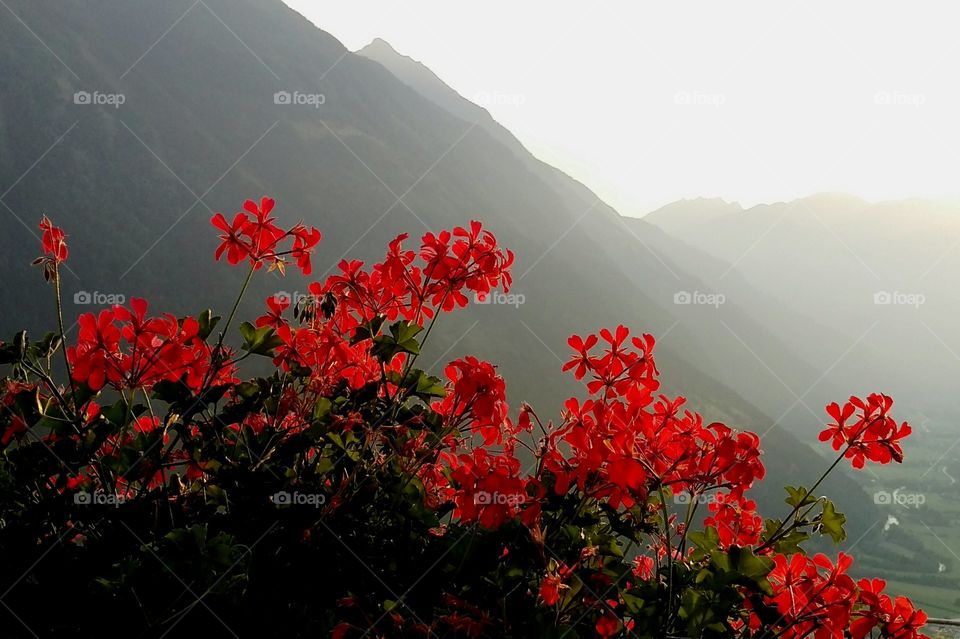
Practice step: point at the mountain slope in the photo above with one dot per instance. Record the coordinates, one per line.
(199, 131)
(661, 265)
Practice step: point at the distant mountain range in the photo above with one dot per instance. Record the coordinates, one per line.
(872, 287)
(227, 99)
(868, 292)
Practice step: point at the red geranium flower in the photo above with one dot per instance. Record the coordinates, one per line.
(53, 240)
(277, 305)
(254, 235)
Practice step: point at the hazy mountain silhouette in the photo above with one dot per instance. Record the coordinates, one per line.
(199, 131)
(882, 276)
(869, 291)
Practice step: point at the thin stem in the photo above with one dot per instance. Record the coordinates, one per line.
(63, 336)
(666, 532)
(236, 305)
(216, 354)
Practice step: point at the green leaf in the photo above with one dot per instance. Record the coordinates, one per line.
(705, 541)
(789, 542)
(799, 497)
(830, 522)
(259, 341)
(751, 566)
(429, 386)
(368, 331)
(208, 321)
(406, 333)
(321, 409)
(633, 603)
(743, 567)
(402, 339)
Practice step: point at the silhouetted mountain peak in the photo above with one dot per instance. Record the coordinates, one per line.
(419, 77)
(379, 45)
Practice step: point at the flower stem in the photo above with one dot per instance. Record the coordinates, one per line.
(233, 311)
(63, 336)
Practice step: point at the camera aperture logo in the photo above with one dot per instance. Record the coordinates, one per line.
(298, 98)
(284, 498)
(96, 98)
(699, 298)
(96, 298)
(899, 498)
(497, 298)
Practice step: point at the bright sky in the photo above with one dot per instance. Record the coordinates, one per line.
(649, 102)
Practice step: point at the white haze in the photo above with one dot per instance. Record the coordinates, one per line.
(649, 102)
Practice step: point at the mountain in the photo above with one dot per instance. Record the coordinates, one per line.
(881, 275)
(661, 265)
(227, 99)
(869, 289)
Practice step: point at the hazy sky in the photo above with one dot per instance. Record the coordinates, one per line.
(649, 102)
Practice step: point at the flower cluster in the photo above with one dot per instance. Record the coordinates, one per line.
(356, 301)
(736, 521)
(894, 617)
(452, 264)
(813, 596)
(623, 442)
(126, 349)
(254, 236)
(488, 527)
(480, 394)
(489, 489)
(865, 430)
